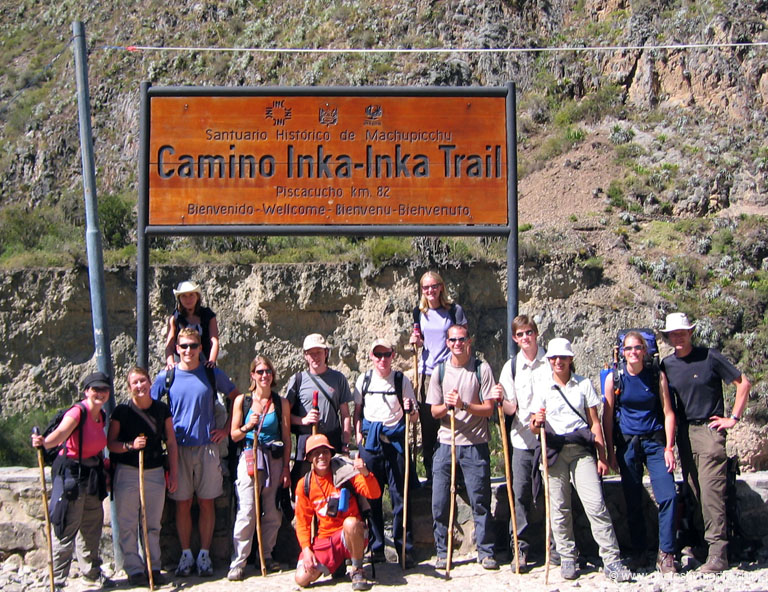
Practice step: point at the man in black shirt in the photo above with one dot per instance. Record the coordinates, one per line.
(696, 376)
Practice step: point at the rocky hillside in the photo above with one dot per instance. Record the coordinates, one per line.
(643, 175)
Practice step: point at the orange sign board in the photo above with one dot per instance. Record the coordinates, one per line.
(369, 160)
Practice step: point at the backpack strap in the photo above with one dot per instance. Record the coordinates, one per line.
(513, 365)
(399, 388)
(277, 403)
(478, 374)
(170, 375)
(452, 313)
(417, 316)
(364, 391)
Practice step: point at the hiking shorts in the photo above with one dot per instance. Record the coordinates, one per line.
(199, 473)
(331, 552)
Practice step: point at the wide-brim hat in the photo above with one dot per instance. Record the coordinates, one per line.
(96, 380)
(315, 340)
(677, 321)
(559, 346)
(187, 288)
(317, 441)
(381, 342)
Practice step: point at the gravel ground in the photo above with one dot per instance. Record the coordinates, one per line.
(464, 576)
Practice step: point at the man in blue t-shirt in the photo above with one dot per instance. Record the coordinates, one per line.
(192, 402)
(696, 376)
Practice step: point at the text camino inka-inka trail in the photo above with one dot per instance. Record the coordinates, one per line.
(327, 160)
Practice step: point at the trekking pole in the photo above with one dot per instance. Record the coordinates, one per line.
(452, 506)
(144, 530)
(44, 493)
(547, 518)
(415, 369)
(406, 412)
(508, 476)
(257, 510)
(315, 407)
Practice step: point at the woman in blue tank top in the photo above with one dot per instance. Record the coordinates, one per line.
(256, 418)
(645, 435)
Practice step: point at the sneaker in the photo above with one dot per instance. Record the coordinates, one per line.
(665, 563)
(158, 579)
(378, 556)
(138, 579)
(568, 569)
(618, 572)
(714, 564)
(236, 574)
(441, 563)
(488, 563)
(359, 581)
(186, 563)
(204, 565)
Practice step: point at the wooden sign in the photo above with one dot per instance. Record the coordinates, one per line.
(341, 160)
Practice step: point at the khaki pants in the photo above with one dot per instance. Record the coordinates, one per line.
(703, 460)
(575, 464)
(85, 517)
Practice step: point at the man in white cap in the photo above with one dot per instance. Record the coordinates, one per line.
(382, 397)
(331, 415)
(696, 376)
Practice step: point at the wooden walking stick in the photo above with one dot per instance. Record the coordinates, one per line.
(257, 510)
(545, 465)
(44, 494)
(144, 530)
(508, 476)
(315, 407)
(452, 507)
(406, 412)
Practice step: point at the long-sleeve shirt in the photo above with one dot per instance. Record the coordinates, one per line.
(321, 489)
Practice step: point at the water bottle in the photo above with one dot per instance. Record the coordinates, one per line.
(248, 452)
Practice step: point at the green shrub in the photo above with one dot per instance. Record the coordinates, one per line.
(116, 220)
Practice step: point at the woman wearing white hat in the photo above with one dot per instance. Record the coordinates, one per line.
(190, 312)
(568, 412)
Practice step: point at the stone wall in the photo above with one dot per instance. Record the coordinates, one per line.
(23, 543)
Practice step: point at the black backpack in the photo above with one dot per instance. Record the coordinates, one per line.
(50, 455)
(277, 403)
(170, 375)
(451, 314)
(398, 388)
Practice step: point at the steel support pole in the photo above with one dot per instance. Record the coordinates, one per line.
(93, 238)
(512, 246)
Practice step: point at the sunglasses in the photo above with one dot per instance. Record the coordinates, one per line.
(566, 358)
(527, 332)
(431, 287)
(189, 345)
(380, 355)
(628, 348)
(263, 371)
(459, 339)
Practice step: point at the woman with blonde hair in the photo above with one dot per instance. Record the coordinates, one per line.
(260, 420)
(433, 316)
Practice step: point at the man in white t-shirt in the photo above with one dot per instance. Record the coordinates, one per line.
(382, 396)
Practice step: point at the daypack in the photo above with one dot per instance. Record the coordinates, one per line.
(451, 314)
(478, 364)
(50, 455)
(398, 388)
(651, 363)
(170, 375)
(277, 403)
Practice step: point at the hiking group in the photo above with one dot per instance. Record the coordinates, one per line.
(166, 438)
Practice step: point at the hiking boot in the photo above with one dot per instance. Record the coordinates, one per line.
(441, 563)
(522, 558)
(186, 563)
(158, 579)
(236, 574)
(409, 563)
(271, 565)
(359, 581)
(715, 564)
(204, 565)
(618, 572)
(665, 563)
(378, 556)
(138, 579)
(99, 578)
(488, 563)
(568, 569)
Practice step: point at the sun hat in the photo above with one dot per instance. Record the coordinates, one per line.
(315, 340)
(559, 347)
(677, 321)
(317, 441)
(187, 287)
(381, 342)
(96, 380)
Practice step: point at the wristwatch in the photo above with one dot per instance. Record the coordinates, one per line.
(464, 405)
(128, 445)
(736, 417)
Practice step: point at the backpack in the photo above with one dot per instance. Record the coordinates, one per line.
(277, 403)
(398, 388)
(478, 364)
(170, 375)
(50, 455)
(651, 363)
(451, 314)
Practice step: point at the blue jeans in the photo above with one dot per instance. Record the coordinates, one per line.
(631, 459)
(475, 464)
(522, 466)
(388, 466)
